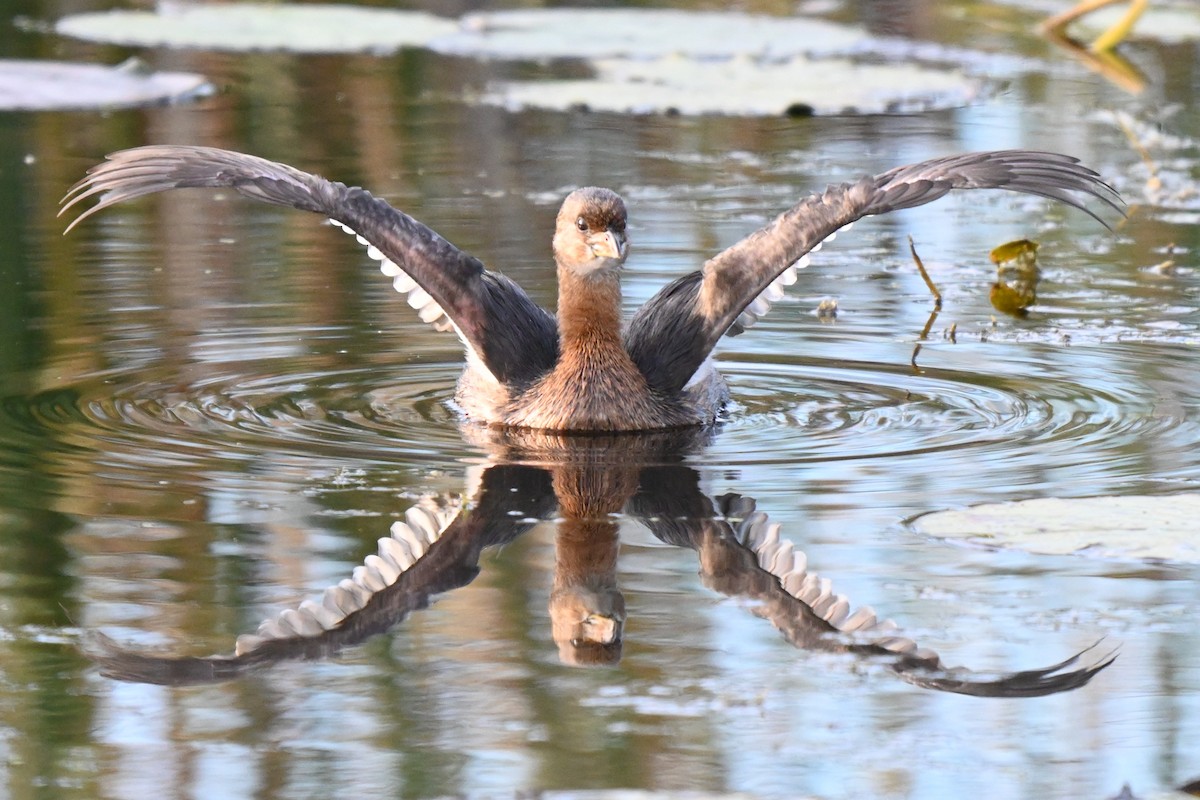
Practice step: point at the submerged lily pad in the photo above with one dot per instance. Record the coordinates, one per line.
(46, 85)
(644, 60)
(745, 86)
(643, 33)
(662, 60)
(1138, 527)
(252, 27)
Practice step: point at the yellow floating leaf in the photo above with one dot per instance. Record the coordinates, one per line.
(1022, 250)
(1010, 299)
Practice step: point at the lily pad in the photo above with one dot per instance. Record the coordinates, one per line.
(46, 85)
(1161, 528)
(743, 86)
(1163, 22)
(1170, 26)
(536, 34)
(240, 27)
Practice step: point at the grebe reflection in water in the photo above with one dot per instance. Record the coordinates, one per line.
(595, 483)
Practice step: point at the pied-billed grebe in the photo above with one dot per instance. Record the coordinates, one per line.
(583, 371)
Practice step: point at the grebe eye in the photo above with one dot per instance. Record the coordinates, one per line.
(581, 223)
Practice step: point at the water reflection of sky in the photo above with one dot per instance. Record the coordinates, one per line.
(212, 410)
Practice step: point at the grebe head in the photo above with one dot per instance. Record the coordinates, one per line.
(589, 236)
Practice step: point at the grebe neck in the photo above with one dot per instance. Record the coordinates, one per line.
(589, 310)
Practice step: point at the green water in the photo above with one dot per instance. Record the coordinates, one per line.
(210, 410)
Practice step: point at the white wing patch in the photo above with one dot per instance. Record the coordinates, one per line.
(775, 289)
(423, 525)
(790, 567)
(427, 309)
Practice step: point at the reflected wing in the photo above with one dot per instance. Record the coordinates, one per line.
(670, 337)
(435, 550)
(742, 554)
(511, 336)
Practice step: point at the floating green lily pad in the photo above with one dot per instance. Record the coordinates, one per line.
(743, 86)
(252, 27)
(47, 85)
(536, 34)
(1138, 527)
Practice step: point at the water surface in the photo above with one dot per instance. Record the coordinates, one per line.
(210, 410)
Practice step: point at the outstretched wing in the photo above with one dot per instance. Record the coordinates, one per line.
(502, 328)
(674, 332)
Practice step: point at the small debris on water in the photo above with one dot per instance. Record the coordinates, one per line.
(827, 309)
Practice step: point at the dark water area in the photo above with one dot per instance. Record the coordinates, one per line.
(211, 410)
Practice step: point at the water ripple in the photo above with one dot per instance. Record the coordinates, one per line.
(1088, 409)
(1093, 408)
(353, 414)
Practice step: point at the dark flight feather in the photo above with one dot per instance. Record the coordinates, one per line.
(515, 338)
